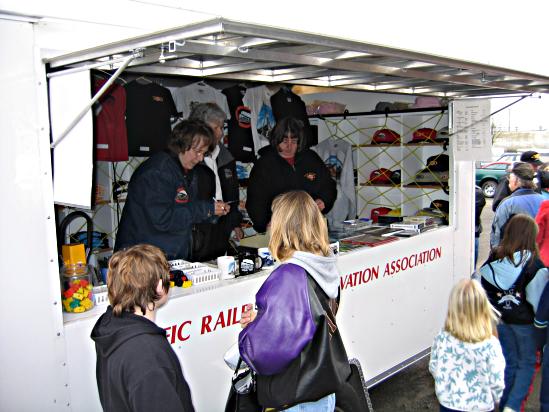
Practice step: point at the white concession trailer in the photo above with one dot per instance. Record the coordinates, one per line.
(388, 317)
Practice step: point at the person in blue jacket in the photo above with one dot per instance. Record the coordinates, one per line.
(162, 203)
(541, 322)
(294, 343)
(524, 199)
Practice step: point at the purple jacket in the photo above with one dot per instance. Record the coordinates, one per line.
(284, 324)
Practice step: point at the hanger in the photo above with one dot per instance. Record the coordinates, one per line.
(143, 80)
(106, 75)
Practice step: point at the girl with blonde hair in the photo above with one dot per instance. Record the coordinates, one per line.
(293, 344)
(467, 362)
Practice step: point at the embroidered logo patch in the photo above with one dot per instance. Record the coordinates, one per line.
(158, 99)
(311, 176)
(181, 195)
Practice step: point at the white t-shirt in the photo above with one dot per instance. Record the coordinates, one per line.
(187, 96)
(212, 164)
(337, 154)
(258, 99)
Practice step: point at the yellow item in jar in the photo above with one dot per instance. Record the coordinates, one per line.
(73, 254)
(78, 296)
(187, 284)
(67, 305)
(79, 309)
(87, 303)
(86, 293)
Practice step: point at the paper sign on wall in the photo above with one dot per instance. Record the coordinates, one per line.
(72, 157)
(472, 137)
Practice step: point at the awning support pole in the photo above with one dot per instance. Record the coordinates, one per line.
(88, 106)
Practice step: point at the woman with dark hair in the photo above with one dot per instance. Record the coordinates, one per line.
(283, 166)
(514, 278)
(161, 206)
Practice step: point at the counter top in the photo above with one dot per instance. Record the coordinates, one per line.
(174, 293)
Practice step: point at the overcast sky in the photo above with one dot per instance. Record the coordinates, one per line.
(531, 113)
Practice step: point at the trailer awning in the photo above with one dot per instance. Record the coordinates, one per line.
(226, 49)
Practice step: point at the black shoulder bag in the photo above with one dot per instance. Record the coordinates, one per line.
(243, 393)
(321, 368)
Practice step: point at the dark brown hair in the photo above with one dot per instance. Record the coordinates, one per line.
(191, 133)
(543, 175)
(519, 236)
(286, 127)
(133, 277)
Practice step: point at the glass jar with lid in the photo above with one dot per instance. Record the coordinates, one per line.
(76, 288)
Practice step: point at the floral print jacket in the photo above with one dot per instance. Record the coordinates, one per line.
(468, 376)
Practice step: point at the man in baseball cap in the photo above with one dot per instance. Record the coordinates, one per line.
(502, 190)
(532, 157)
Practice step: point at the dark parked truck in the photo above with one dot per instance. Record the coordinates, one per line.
(487, 176)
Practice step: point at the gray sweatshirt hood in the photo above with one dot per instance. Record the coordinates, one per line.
(323, 269)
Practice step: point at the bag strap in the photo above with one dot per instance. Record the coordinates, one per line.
(524, 278)
(528, 273)
(494, 276)
(238, 366)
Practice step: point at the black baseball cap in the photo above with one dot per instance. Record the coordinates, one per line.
(532, 157)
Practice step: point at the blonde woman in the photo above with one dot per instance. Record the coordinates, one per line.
(293, 343)
(467, 362)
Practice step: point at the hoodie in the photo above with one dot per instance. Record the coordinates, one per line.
(323, 269)
(137, 370)
(542, 219)
(507, 271)
(285, 322)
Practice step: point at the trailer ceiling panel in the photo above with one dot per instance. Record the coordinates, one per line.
(226, 49)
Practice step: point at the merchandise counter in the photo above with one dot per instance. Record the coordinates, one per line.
(389, 313)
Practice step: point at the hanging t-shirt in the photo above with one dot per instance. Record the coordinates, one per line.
(187, 96)
(286, 103)
(258, 99)
(149, 108)
(111, 139)
(241, 142)
(338, 157)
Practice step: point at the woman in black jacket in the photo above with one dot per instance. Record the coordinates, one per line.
(286, 165)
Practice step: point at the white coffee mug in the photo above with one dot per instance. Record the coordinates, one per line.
(265, 255)
(227, 266)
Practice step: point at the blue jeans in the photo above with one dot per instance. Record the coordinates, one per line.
(326, 404)
(544, 391)
(519, 349)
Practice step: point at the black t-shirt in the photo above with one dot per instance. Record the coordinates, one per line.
(285, 103)
(148, 111)
(241, 142)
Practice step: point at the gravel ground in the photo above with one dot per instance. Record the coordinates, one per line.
(413, 389)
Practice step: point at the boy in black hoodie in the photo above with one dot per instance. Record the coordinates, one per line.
(137, 370)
